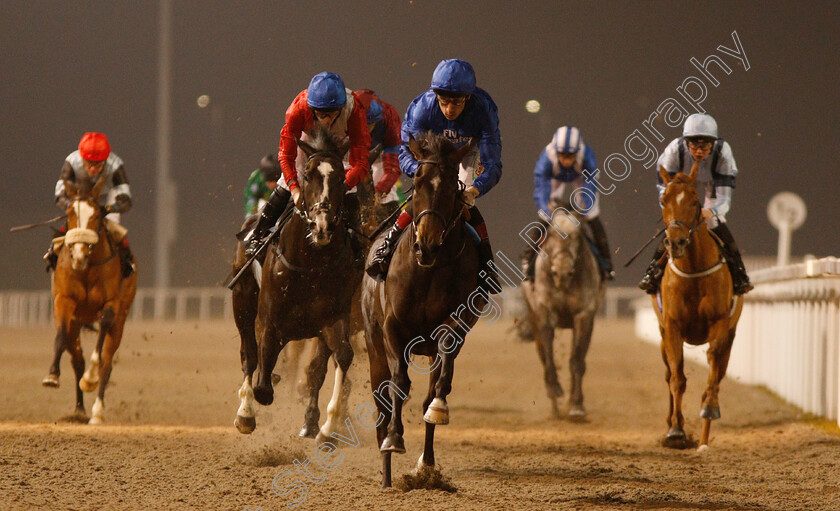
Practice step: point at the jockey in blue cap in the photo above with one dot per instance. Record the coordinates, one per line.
(453, 107)
(564, 160)
(716, 176)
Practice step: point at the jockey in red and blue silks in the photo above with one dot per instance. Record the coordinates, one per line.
(567, 159)
(383, 122)
(329, 103)
(455, 108)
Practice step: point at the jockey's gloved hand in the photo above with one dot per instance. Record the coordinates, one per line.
(111, 209)
(469, 195)
(296, 198)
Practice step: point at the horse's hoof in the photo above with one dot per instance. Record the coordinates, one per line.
(309, 431)
(437, 413)
(577, 412)
(50, 380)
(675, 433)
(321, 438)
(710, 412)
(264, 395)
(245, 425)
(275, 379)
(88, 386)
(393, 443)
(702, 448)
(555, 391)
(96, 420)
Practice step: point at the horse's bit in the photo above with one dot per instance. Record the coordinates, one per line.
(447, 226)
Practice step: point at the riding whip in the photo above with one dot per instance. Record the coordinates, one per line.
(39, 224)
(233, 280)
(658, 234)
(390, 217)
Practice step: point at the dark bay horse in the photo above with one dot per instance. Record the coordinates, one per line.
(566, 293)
(87, 287)
(307, 283)
(697, 302)
(427, 304)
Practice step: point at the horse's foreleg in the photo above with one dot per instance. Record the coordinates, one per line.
(427, 459)
(268, 348)
(91, 378)
(78, 359)
(379, 374)
(110, 335)
(581, 338)
(244, 302)
(437, 411)
(672, 348)
(339, 340)
(720, 345)
(545, 350)
(63, 314)
(315, 373)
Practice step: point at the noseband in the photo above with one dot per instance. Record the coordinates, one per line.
(447, 226)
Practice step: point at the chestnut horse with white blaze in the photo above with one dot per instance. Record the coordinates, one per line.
(87, 287)
(698, 306)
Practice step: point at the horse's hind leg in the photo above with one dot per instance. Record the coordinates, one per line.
(545, 350)
(581, 337)
(720, 345)
(315, 373)
(339, 340)
(379, 375)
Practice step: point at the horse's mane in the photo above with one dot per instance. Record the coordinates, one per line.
(436, 144)
(322, 141)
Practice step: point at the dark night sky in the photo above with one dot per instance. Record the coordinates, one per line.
(70, 67)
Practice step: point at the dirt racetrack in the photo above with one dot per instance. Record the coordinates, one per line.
(169, 442)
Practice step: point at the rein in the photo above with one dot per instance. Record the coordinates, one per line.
(447, 226)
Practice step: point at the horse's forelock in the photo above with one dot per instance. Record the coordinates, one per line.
(437, 147)
(322, 141)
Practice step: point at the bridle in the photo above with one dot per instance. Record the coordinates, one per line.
(692, 228)
(321, 205)
(447, 225)
(89, 237)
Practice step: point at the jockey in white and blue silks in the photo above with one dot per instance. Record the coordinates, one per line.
(716, 172)
(453, 107)
(563, 162)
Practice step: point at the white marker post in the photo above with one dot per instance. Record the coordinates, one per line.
(786, 212)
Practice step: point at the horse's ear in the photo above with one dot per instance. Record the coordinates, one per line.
(414, 147)
(344, 148)
(463, 150)
(307, 149)
(693, 176)
(70, 189)
(666, 178)
(97, 187)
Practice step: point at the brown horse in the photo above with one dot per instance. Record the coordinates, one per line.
(427, 304)
(307, 283)
(87, 287)
(566, 293)
(697, 302)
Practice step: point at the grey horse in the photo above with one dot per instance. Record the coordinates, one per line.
(567, 291)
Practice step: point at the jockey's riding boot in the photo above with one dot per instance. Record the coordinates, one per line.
(353, 221)
(268, 217)
(740, 281)
(529, 263)
(378, 266)
(126, 259)
(599, 237)
(487, 268)
(654, 272)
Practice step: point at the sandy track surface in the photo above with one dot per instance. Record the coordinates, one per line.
(169, 442)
